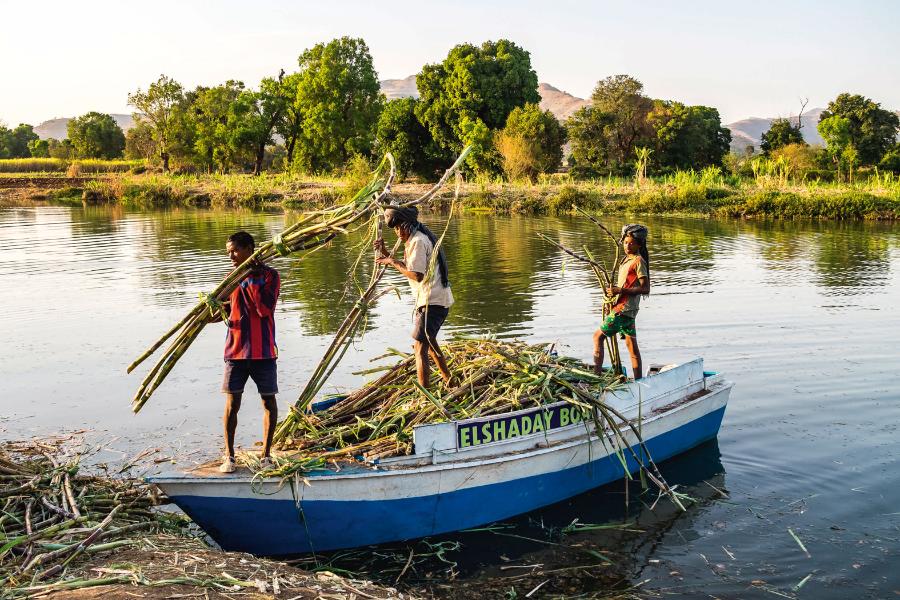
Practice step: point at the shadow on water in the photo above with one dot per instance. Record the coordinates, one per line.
(591, 544)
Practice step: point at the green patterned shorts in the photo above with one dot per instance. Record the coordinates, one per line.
(618, 323)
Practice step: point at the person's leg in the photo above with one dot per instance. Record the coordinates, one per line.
(599, 339)
(229, 420)
(637, 365)
(434, 350)
(270, 419)
(423, 366)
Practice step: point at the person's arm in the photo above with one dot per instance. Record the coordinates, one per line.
(262, 298)
(418, 261)
(642, 289)
(401, 268)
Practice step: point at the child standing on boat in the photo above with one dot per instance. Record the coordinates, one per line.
(633, 281)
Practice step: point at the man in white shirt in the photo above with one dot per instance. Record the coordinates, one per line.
(429, 282)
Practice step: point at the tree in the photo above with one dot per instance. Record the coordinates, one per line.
(800, 158)
(688, 137)
(468, 96)
(160, 106)
(290, 126)
(19, 139)
(401, 133)
(780, 133)
(835, 130)
(266, 108)
(96, 135)
(39, 148)
(872, 130)
(60, 148)
(139, 143)
(212, 112)
(531, 142)
(891, 160)
(605, 134)
(339, 98)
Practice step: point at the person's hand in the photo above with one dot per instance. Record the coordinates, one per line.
(385, 260)
(613, 290)
(380, 248)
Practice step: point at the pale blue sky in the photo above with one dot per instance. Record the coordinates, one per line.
(745, 58)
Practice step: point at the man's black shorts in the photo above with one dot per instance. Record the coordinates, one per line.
(263, 372)
(428, 320)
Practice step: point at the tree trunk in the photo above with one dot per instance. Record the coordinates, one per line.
(260, 154)
(165, 159)
(290, 149)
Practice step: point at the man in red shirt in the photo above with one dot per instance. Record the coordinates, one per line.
(250, 350)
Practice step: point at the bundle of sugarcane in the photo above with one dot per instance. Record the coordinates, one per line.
(496, 377)
(53, 516)
(604, 277)
(312, 231)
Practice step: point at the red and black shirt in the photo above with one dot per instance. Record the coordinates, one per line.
(251, 322)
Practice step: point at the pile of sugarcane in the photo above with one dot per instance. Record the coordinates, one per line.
(53, 517)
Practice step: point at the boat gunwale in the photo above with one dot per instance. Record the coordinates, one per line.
(185, 477)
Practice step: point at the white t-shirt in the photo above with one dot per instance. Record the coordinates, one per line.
(417, 254)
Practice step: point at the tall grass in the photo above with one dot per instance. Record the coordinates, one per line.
(59, 165)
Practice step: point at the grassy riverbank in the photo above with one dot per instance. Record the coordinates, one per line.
(877, 198)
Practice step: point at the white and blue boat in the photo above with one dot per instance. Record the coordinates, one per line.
(462, 474)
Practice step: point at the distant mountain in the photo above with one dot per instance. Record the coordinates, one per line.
(58, 128)
(748, 132)
(560, 103)
(399, 88)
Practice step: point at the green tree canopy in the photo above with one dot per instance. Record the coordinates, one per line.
(339, 98)
(162, 106)
(401, 133)
(212, 114)
(531, 142)
(290, 125)
(872, 129)
(39, 148)
(469, 95)
(687, 137)
(780, 133)
(96, 135)
(265, 109)
(19, 138)
(605, 134)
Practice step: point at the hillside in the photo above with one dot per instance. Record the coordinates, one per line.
(560, 103)
(399, 88)
(749, 131)
(58, 128)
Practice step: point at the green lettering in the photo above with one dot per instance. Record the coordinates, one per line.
(577, 415)
(526, 425)
(513, 429)
(563, 416)
(476, 441)
(538, 424)
(464, 438)
(486, 432)
(499, 430)
(546, 421)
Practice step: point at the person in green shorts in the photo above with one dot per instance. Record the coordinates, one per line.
(632, 282)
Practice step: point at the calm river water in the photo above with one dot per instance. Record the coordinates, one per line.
(802, 316)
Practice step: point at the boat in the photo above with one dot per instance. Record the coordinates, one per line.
(461, 474)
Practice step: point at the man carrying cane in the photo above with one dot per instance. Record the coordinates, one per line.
(432, 296)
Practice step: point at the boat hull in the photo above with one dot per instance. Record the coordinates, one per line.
(346, 510)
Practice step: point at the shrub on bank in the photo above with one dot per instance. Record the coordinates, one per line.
(59, 165)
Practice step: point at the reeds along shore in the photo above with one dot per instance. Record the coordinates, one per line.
(718, 196)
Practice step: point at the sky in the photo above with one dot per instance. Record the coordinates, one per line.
(63, 59)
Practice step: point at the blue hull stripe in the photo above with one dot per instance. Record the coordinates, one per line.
(276, 527)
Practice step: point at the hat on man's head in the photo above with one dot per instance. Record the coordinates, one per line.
(636, 231)
(399, 215)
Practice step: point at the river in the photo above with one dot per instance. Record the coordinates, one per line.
(801, 316)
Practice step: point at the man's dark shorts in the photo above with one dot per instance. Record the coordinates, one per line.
(428, 320)
(263, 372)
